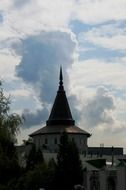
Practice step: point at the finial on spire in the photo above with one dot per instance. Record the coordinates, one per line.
(61, 76)
(61, 79)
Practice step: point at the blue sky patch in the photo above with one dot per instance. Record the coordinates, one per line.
(90, 51)
(78, 27)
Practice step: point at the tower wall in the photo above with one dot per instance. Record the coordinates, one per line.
(50, 142)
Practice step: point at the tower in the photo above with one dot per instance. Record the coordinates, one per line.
(60, 120)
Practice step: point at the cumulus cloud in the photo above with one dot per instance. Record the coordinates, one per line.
(42, 56)
(102, 110)
(73, 103)
(34, 118)
(98, 110)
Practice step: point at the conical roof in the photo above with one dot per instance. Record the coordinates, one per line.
(60, 118)
(60, 113)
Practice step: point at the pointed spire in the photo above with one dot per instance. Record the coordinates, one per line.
(60, 113)
(61, 75)
(61, 80)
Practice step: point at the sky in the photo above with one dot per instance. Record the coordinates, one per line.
(88, 39)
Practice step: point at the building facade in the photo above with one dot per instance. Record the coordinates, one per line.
(107, 178)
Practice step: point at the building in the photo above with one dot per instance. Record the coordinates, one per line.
(104, 167)
(47, 138)
(102, 176)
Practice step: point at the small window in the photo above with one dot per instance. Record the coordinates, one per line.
(46, 141)
(55, 140)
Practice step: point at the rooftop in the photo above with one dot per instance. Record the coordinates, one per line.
(60, 118)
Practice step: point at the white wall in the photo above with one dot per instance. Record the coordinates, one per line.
(40, 140)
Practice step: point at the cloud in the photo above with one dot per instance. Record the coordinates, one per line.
(102, 108)
(1, 17)
(113, 136)
(48, 15)
(111, 36)
(35, 118)
(20, 3)
(96, 72)
(97, 110)
(5, 4)
(96, 11)
(20, 93)
(39, 15)
(42, 56)
(24, 133)
(7, 66)
(73, 103)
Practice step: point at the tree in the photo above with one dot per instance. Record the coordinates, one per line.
(9, 127)
(34, 157)
(41, 176)
(9, 122)
(69, 171)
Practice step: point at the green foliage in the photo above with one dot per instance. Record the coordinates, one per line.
(34, 157)
(62, 175)
(9, 126)
(9, 122)
(69, 169)
(41, 176)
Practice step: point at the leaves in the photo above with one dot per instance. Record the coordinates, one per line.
(9, 127)
(34, 158)
(9, 122)
(69, 167)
